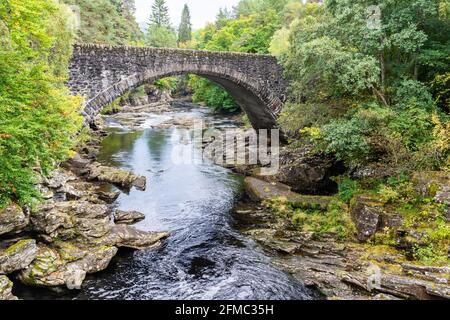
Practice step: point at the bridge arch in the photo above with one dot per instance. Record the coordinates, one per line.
(104, 73)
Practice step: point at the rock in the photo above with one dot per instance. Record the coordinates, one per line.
(128, 217)
(46, 270)
(140, 183)
(119, 177)
(17, 256)
(5, 289)
(443, 195)
(71, 219)
(12, 219)
(59, 179)
(66, 264)
(260, 190)
(429, 183)
(71, 192)
(130, 237)
(108, 197)
(308, 173)
(390, 220)
(375, 171)
(77, 165)
(366, 211)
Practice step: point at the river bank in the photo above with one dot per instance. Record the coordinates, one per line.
(356, 267)
(203, 258)
(217, 249)
(75, 230)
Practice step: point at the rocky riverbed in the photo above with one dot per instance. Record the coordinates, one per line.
(338, 269)
(75, 230)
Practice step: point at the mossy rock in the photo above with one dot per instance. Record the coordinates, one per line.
(428, 183)
(260, 190)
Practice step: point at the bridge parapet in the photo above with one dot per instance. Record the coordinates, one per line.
(103, 73)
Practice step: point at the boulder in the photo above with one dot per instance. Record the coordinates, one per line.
(366, 212)
(108, 196)
(70, 192)
(71, 219)
(430, 183)
(17, 256)
(66, 264)
(128, 217)
(59, 178)
(260, 190)
(12, 219)
(77, 165)
(308, 173)
(5, 289)
(129, 237)
(122, 178)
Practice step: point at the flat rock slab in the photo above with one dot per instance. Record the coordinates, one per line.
(130, 237)
(119, 177)
(260, 190)
(128, 217)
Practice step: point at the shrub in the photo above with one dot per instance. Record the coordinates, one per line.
(38, 118)
(347, 189)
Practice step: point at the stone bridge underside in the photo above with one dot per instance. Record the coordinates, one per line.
(104, 73)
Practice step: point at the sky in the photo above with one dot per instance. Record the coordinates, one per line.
(202, 11)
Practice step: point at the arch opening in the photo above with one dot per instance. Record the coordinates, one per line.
(260, 105)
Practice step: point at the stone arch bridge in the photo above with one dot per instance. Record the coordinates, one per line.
(103, 73)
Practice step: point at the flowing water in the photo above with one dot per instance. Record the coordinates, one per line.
(205, 257)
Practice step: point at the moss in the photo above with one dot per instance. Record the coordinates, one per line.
(433, 188)
(335, 218)
(17, 246)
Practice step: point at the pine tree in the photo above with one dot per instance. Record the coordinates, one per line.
(128, 7)
(160, 15)
(222, 17)
(185, 29)
(160, 33)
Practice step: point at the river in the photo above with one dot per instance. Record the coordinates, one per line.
(206, 257)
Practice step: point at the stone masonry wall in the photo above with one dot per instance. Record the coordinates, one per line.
(103, 73)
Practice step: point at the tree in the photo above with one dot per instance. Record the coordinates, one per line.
(161, 37)
(107, 21)
(223, 17)
(185, 29)
(160, 32)
(160, 14)
(38, 117)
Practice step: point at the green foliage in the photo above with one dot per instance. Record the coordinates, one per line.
(375, 82)
(347, 189)
(167, 84)
(212, 95)
(161, 37)
(160, 33)
(335, 219)
(38, 117)
(250, 30)
(440, 87)
(107, 21)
